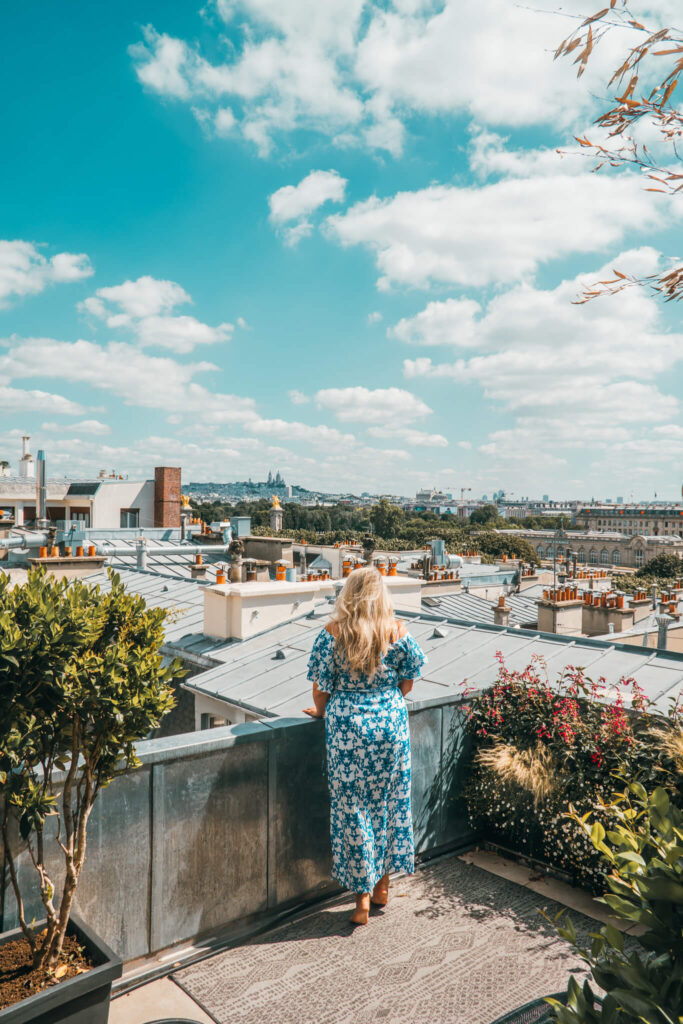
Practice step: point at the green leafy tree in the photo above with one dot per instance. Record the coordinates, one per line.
(484, 516)
(388, 520)
(662, 565)
(643, 852)
(81, 679)
(499, 544)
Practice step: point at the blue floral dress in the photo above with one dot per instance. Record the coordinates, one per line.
(368, 762)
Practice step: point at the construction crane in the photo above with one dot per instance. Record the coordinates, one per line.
(462, 492)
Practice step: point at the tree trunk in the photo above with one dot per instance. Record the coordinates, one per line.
(30, 937)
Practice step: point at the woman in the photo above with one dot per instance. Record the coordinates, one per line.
(362, 665)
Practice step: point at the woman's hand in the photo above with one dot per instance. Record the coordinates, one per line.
(313, 712)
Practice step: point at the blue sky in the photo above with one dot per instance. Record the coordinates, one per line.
(334, 239)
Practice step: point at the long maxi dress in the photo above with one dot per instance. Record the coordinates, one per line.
(368, 762)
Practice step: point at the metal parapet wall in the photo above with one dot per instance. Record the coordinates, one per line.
(219, 829)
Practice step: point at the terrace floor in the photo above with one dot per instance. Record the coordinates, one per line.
(461, 942)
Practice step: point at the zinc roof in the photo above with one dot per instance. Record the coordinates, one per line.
(523, 609)
(266, 674)
(160, 559)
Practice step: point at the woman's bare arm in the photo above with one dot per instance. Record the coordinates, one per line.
(319, 703)
(406, 686)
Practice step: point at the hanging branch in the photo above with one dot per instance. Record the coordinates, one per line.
(628, 110)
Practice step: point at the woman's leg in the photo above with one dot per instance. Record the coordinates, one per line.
(362, 911)
(380, 894)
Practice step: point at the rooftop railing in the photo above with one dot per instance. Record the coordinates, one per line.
(218, 831)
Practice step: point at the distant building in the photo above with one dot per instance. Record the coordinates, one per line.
(606, 549)
(429, 500)
(651, 520)
(103, 502)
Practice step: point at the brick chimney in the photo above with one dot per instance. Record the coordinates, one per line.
(167, 496)
(501, 612)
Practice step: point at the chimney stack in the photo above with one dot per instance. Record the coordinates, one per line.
(167, 496)
(501, 613)
(27, 468)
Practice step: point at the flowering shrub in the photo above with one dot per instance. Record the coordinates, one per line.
(542, 747)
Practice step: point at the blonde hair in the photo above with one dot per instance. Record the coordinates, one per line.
(364, 620)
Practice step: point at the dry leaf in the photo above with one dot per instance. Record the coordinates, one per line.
(61, 971)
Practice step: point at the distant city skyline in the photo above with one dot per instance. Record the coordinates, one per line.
(334, 238)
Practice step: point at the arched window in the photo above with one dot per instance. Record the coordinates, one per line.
(593, 556)
(639, 558)
(581, 555)
(604, 557)
(616, 557)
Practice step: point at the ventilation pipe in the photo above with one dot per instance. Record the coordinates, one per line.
(654, 597)
(662, 630)
(41, 491)
(24, 540)
(141, 552)
(105, 548)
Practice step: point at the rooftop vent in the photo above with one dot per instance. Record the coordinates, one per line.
(439, 633)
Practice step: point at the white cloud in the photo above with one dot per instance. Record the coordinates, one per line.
(357, 71)
(298, 202)
(146, 296)
(297, 397)
(413, 438)
(25, 271)
(496, 232)
(14, 400)
(451, 322)
(93, 428)
(163, 64)
(143, 307)
(289, 431)
(573, 376)
(465, 444)
(179, 333)
(374, 318)
(152, 382)
(224, 121)
(366, 405)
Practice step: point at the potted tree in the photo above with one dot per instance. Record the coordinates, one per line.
(81, 679)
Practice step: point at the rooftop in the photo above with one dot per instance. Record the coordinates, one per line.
(523, 609)
(266, 674)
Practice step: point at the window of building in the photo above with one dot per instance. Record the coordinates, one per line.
(213, 721)
(80, 515)
(130, 517)
(639, 559)
(616, 557)
(604, 557)
(593, 556)
(581, 556)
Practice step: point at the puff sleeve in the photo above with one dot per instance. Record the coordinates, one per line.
(321, 669)
(409, 658)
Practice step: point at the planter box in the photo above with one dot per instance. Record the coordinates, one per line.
(80, 1000)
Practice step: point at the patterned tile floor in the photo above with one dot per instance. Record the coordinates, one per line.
(456, 945)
